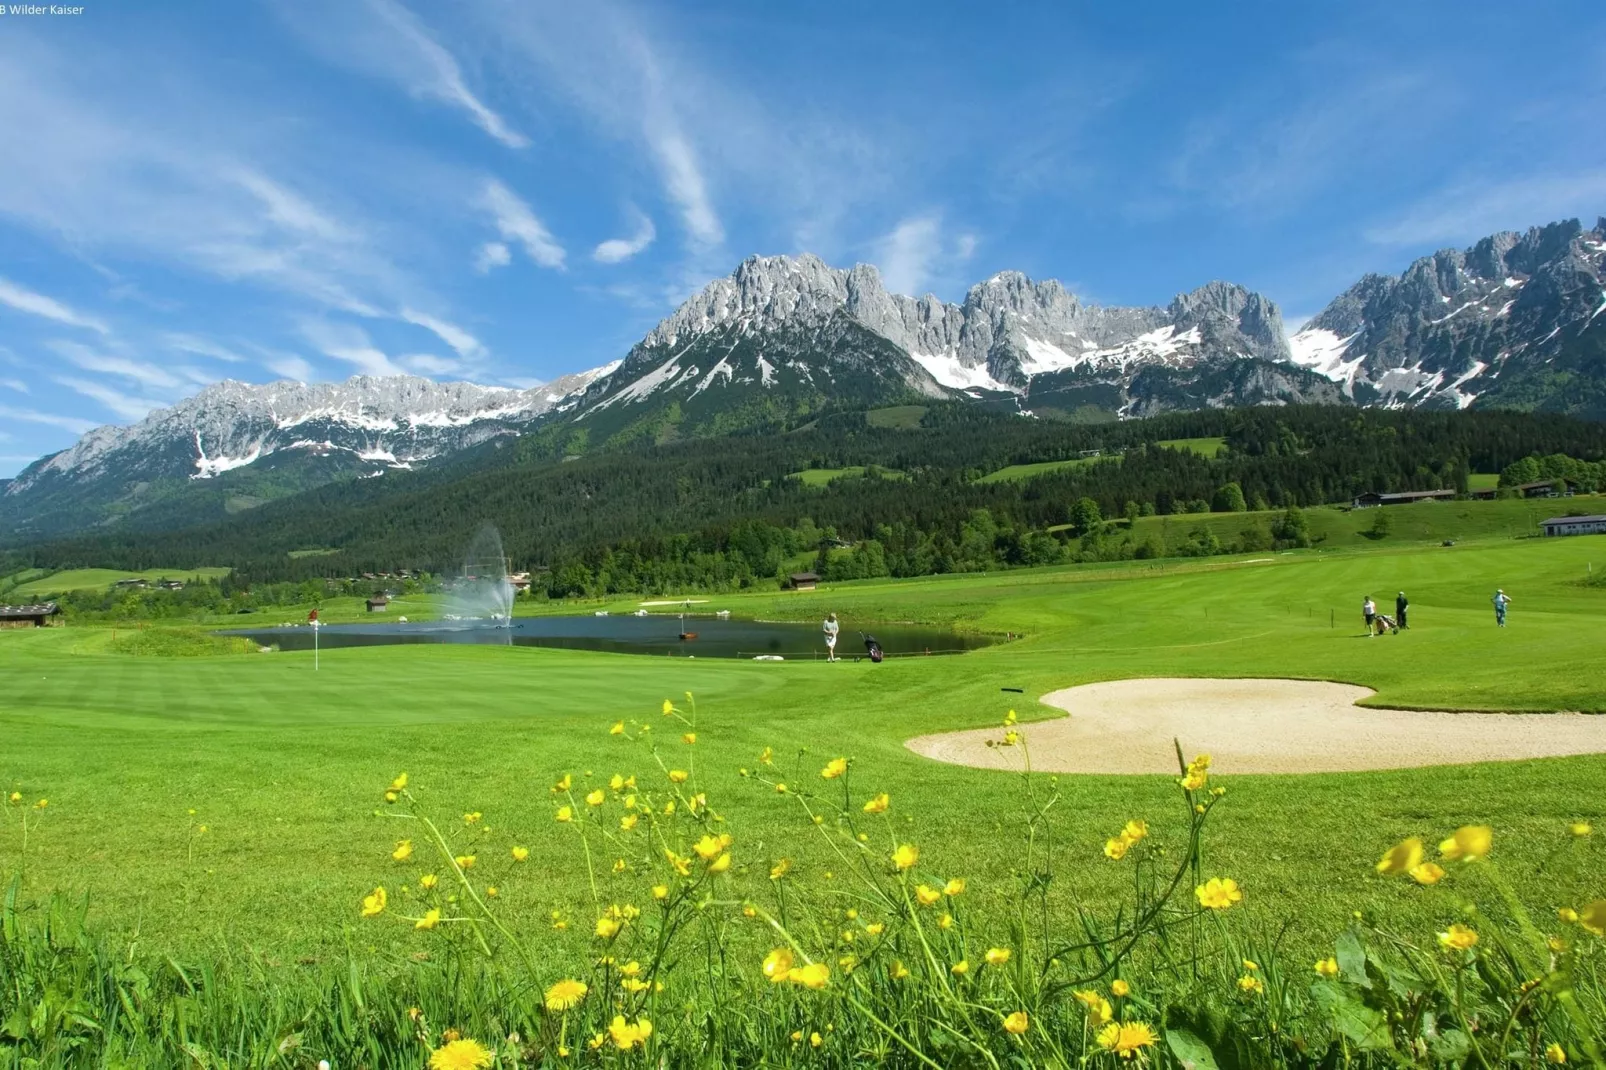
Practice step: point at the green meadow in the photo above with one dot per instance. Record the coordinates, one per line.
(38, 582)
(284, 765)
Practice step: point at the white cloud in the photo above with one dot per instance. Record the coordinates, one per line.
(38, 304)
(615, 250)
(201, 347)
(909, 254)
(493, 254)
(460, 340)
(130, 408)
(429, 70)
(966, 247)
(91, 360)
(350, 344)
(15, 384)
(1472, 210)
(683, 179)
(33, 416)
(516, 223)
(290, 366)
(428, 364)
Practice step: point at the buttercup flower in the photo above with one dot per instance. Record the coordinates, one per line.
(815, 975)
(403, 851)
(461, 1054)
(1567, 915)
(720, 864)
(926, 895)
(1470, 843)
(1251, 985)
(997, 956)
(465, 861)
(618, 729)
(1017, 1023)
(1135, 831)
(1593, 917)
(608, 928)
(878, 804)
(945, 922)
(428, 881)
(960, 968)
(1126, 1038)
(399, 783)
(431, 918)
(595, 798)
(520, 853)
(1555, 1054)
(767, 757)
(660, 891)
(898, 970)
(1427, 873)
(778, 964)
(669, 707)
(1458, 938)
(1116, 849)
(708, 848)
(564, 784)
(689, 737)
(780, 869)
(1099, 1010)
(565, 813)
(955, 886)
(373, 904)
(834, 768)
(1327, 967)
(1120, 988)
(1218, 893)
(565, 995)
(1401, 858)
(1579, 828)
(628, 822)
(626, 1035)
(677, 776)
(905, 856)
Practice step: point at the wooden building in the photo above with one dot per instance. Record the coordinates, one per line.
(38, 615)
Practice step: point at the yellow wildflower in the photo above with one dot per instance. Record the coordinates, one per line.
(1593, 917)
(1218, 893)
(616, 782)
(926, 895)
(997, 956)
(780, 869)
(1458, 938)
(875, 928)
(1011, 738)
(565, 995)
(945, 922)
(403, 851)
(690, 737)
(905, 856)
(473, 819)
(660, 891)
(16, 796)
(428, 881)
(564, 784)
(1327, 967)
(399, 783)
(834, 768)
(708, 848)
(960, 968)
(955, 886)
(815, 975)
(373, 904)
(1579, 828)
(1135, 830)
(1119, 988)
(681, 865)
(669, 707)
(626, 1035)
(767, 757)
(878, 804)
(595, 798)
(720, 864)
(460, 1054)
(1249, 984)
(608, 928)
(620, 865)
(1555, 1054)
(815, 1040)
(898, 970)
(431, 918)
(1251, 965)
(1470, 843)
(1401, 858)
(465, 861)
(1017, 1023)
(778, 965)
(1116, 849)
(677, 776)
(1098, 1008)
(492, 892)
(1125, 1038)
(780, 789)
(520, 853)
(1009, 718)
(1427, 873)
(618, 729)
(565, 813)
(628, 822)
(1567, 915)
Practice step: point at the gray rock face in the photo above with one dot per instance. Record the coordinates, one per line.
(1463, 325)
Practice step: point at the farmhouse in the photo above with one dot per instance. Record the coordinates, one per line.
(1404, 497)
(1574, 525)
(32, 616)
(379, 603)
(803, 581)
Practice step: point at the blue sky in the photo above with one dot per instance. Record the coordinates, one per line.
(507, 191)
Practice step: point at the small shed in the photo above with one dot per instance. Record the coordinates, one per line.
(379, 603)
(804, 581)
(38, 615)
(1404, 497)
(1575, 525)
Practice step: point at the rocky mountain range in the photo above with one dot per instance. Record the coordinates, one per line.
(1516, 321)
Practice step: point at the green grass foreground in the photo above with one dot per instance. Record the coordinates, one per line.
(284, 768)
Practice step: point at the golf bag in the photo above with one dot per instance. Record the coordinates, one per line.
(1385, 623)
(874, 648)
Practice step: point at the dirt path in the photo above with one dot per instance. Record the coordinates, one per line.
(1259, 726)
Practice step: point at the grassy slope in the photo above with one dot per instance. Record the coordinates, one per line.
(1020, 472)
(84, 579)
(819, 477)
(285, 765)
(1205, 447)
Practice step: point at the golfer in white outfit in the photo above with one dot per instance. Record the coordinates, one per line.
(830, 629)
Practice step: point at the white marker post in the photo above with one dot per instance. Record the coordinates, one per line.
(312, 618)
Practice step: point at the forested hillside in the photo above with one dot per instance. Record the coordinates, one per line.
(731, 511)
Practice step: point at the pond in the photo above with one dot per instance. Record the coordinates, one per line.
(660, 633)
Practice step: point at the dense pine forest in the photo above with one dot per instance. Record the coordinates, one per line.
(732, 511)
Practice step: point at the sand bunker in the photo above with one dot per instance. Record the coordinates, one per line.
(1259, 726)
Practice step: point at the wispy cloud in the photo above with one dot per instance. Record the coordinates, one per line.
(1470, 210)
(202, 347)
(616, 250)
(429, 70)
(290, 366)
(131, 408)
(429, 364)
(517, 223)
(492, 255)
(15, 384)
(32, 416)
(350, 344)
(37, 304)
(908, 255)
(91, 360)
(465, 344)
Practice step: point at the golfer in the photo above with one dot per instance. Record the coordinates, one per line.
(830, 629)
(1501, 601)
(1369, 611)
(1401, 604)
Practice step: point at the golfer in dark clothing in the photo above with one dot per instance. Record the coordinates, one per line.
(1401, 604)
